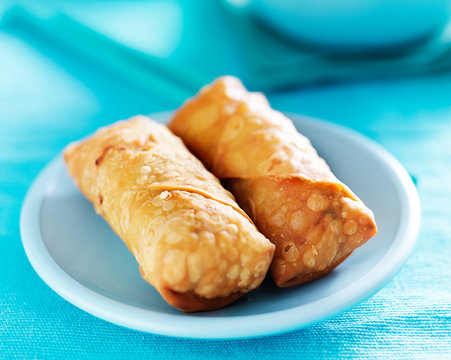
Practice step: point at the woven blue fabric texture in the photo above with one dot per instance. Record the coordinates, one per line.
(49, 97)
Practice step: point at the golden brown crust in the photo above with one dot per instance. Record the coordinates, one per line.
(190, 302)
(278, 179)
(190, 238)
(312, 276)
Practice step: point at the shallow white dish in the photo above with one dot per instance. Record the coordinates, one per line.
(78, 255)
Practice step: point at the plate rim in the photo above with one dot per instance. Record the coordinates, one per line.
(265, 324)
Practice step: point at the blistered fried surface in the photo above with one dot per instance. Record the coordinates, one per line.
(185, 230)
(195, 244)
(238, 135)
(313, 225)
(277, 177)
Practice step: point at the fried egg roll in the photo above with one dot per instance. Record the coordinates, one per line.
(277, 177)
(192, 241)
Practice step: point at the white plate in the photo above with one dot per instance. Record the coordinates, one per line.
(78, 255)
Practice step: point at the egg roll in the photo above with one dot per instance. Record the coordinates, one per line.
(192, 241)
(277, 177)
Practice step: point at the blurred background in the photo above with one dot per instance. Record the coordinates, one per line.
(106, 60)
(170, 48)
(381, 67)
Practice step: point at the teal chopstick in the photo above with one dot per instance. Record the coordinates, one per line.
(155, 75)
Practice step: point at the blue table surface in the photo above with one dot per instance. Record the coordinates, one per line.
(49, 98)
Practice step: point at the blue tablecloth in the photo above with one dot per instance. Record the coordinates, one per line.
(49, 97)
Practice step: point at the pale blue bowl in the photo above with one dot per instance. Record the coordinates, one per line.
(354, 23)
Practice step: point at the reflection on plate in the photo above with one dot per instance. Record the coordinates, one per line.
(78, 255)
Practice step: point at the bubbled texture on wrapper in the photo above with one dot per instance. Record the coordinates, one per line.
(190, 238)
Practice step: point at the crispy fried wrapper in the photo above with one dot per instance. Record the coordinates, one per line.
(314, 220)
(192, 241)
